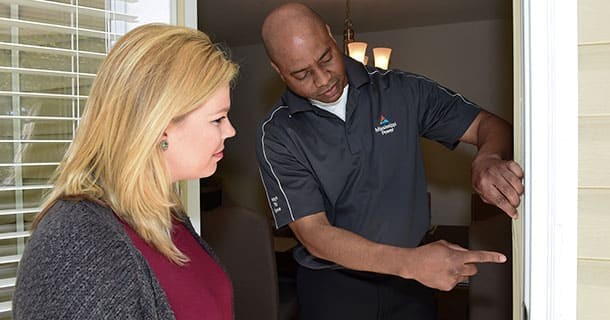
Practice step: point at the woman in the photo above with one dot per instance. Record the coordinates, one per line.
(112, 240)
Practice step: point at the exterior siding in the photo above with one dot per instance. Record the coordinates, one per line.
(594, 159)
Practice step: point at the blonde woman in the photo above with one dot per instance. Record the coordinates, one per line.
(112, 240)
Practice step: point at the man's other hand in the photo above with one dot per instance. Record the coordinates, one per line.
(498, 182)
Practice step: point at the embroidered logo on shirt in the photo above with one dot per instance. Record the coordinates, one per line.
(385, 126)
(276, 207)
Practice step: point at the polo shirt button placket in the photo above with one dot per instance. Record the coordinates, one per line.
(353, 140)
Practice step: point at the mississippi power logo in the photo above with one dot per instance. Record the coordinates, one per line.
(385, 126)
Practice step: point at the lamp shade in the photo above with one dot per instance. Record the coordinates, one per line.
(357, 50)
(382, 57)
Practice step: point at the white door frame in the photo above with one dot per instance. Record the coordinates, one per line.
(546, 115)
(186, 15)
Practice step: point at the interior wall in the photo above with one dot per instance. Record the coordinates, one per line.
(472, 58)
(258, 88)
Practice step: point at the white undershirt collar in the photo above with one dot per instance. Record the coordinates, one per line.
(337, 108)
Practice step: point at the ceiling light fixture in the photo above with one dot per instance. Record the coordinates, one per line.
(357, 49)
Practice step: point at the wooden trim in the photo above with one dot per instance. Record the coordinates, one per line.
(518, 130)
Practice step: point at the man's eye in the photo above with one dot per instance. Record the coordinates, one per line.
(301, 76)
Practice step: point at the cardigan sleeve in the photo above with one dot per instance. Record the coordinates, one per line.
(79, 264)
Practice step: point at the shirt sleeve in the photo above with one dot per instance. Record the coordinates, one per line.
(292, 189)
(443, 115)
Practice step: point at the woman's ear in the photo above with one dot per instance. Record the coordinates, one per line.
(171, 127)
(163, 143)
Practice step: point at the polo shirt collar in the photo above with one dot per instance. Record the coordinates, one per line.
(295, 102)
(356, 74)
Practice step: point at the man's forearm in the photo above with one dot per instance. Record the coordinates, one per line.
(439, 265)
(494, 137)
(355, 252)
(495, 177)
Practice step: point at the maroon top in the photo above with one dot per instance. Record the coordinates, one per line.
(200, 289)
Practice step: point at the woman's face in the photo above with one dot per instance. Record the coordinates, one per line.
(196, 142)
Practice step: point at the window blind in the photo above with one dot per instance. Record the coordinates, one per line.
(49, 54)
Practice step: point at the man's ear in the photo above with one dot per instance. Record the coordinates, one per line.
(275, 67)
(330, 34)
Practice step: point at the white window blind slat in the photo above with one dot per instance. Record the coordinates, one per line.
(39, 118)
(7, 283)
(71, 8)
(6, 306)
(42, 95)
(14, 235)
(8, 22)
(21, 188)
(50, 50)
(45, 72)
(18, 211)
(10, 259)
(34, 141)
(33, 164)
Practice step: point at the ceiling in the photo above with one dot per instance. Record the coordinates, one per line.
(237, 22)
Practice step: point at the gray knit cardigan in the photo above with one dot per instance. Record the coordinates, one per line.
(80, 264)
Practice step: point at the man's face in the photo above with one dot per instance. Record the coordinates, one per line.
(312, 66)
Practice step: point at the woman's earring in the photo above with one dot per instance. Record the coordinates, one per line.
(164, 145)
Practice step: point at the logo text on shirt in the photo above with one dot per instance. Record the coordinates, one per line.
(276, 207)
(385, 126)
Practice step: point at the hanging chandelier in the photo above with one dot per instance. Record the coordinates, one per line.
(357, 49)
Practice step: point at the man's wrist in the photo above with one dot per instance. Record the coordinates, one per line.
(403, 262)
(482, 156)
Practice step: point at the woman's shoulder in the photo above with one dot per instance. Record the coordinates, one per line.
(79, 257)
(69, 224)
(76, 213)
(77, 229)
(77, 233)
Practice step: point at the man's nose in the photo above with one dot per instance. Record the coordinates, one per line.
(321, 77)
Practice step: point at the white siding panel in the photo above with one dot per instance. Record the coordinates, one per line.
(594, 79)
(594, 151)
(594, 224)
(594, 160)
(593, 289)
(593, 21)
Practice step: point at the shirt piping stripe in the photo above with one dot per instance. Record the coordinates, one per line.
(271, 167)
(425, 79)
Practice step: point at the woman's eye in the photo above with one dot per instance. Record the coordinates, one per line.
(217, 121)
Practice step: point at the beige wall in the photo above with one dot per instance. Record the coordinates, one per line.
(473, 58)
(594, 159)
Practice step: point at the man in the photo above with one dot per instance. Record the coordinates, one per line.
(342, 167)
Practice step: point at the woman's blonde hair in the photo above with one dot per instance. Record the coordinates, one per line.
(155, 74)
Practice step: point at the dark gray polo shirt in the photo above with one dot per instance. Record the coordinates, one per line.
(366, 173)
